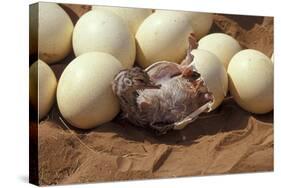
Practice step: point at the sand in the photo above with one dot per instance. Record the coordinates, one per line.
(229, 140)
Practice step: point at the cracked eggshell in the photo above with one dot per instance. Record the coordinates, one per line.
(54, 32)
(163, 37)
(200, 22)
(220, 44)
(84, 95)
(251, 81)
(42, 87)
(132, 16)
(213, 74)
(103, 31)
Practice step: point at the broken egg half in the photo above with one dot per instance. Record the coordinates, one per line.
(213, 73)
(251, 81)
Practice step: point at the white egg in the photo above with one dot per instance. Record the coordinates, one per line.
(42, 87)
(133, 16)
(213, 74)
(163, 36)
(54, 32)
(84, 95)
(200, 22)
(251, 81)
(104, 31)
(220, 44)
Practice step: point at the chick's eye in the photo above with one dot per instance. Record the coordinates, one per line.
(128, 81)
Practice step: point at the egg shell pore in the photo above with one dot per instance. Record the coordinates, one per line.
(43, 84)
(132, 16)
(103, 31)
(84, 94)
(213, 74)
(54, 32)
(251, 81)
(163, 37)
(220, 44)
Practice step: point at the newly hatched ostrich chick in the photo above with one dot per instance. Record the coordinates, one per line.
(164, 96)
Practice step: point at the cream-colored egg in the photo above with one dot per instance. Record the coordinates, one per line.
(200, 22)
(220, 44)
(84, 95)
(251, 81)
(133, 16)
(213, 74)
(272, 58)
(163, 37)
(54, 32)
(104, 31)
(42, 87)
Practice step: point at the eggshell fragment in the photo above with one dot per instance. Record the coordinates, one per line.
(251, 81)
(54, 32)
(200, 22)
(220, 44)
(84, 95)
(213, 74)
(42, 87)
(104, 31)
(163, 37)
(132, 16)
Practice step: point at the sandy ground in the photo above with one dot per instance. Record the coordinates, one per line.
(229, 140)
